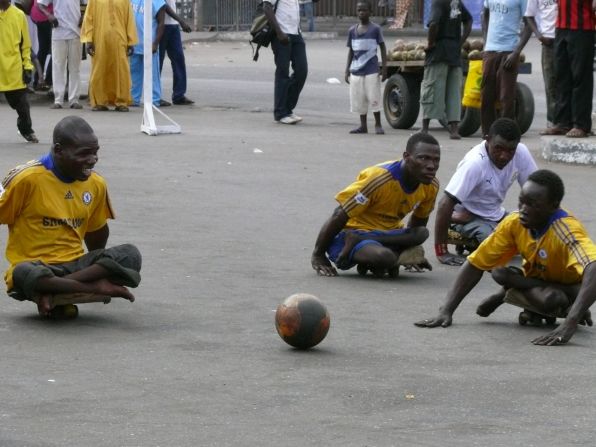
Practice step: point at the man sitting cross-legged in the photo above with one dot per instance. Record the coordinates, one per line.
(559, 272)
(51, 206)
(473, 199)
(367, 228)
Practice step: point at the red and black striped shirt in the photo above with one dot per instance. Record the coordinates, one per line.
(575, 15)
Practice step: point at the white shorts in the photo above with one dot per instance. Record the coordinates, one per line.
(365, 92)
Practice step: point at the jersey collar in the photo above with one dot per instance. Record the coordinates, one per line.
(48, 161)
(559, 214)
(396, 171)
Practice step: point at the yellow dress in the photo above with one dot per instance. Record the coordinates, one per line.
(110, 26)
(15, 49)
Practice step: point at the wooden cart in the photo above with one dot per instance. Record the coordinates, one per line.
(401, 98)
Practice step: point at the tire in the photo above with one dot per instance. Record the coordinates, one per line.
(470, 121)
(524, 107)
(401, 101)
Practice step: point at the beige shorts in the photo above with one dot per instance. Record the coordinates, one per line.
(365, 93)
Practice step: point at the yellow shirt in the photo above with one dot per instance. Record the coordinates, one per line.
(48, 218)
(560, 254)
(378, 201)
(15, 49)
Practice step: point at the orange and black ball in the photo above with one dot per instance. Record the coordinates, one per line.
(302, 320)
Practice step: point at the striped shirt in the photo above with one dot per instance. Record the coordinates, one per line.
(558, 254)
(378, 200)
(575, 15)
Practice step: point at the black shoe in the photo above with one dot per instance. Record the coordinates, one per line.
(164, 103)
(184, 101)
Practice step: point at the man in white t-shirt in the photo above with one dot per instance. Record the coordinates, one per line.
(541, 17)
(288, 48)
(66, 48)
(473, 199)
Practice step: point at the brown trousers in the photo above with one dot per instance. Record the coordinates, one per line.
(498, 89)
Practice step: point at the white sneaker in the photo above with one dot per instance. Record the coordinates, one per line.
(288, 120)
(296, 117)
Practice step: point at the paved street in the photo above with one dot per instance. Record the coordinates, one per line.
(226, 232)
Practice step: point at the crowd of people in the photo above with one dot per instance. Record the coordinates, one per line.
(44, 42)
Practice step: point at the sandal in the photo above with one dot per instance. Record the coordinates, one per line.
(556, 130)
(576, 132)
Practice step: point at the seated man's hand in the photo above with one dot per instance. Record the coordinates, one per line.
(322, 265)
(419, 268)
(559, 336)
(451, 259)
(444, 319)
(27, 76)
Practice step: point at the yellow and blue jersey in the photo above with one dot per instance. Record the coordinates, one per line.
(378, 200)
(559, 253)
(48, 215)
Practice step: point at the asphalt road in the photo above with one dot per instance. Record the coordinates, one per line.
(226, 232)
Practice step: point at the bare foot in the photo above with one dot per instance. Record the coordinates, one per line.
(105, 287)
(44, 305)
(350, 241)
(490, 304)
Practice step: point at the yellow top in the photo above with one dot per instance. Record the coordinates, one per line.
(47, 217)
(559, 254)
(377, 200)
(15, 49)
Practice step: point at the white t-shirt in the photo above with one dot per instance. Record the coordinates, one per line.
(481, 187)
(169, 20)
(287, 15)
(545, 14)
(68, 13)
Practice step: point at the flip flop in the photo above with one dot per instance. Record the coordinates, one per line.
(358, 130)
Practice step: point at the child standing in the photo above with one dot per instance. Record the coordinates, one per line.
(362, 68)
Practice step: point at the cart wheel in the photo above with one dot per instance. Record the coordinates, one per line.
(470, 121)
(524, 107)
(401, 101)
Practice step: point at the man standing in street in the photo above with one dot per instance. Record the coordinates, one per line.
(544, 29)
(110, 32)
(288, 48)
(441, 86)
(501, 22)
(307, 11)
(66, 48)
(171, 43)
(574, 77)
(15, 65)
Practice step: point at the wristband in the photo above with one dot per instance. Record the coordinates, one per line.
(441, 250)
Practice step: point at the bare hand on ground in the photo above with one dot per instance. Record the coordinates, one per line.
(322, 266)
(451, 259)
(443, 320)
(559, 336)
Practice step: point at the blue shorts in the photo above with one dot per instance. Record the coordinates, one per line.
(338, 243)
